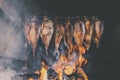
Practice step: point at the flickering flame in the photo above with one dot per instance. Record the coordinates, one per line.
(43, 75)
(82, 31)
(74, 60)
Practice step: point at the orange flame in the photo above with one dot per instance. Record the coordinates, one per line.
(72, 63)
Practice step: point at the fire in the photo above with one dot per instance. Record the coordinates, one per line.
(30, 79)
(75, 33)
(43, 75)
(59, 66)
(71, 61)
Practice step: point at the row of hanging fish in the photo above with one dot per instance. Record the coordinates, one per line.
(81, 30)
(77, 35)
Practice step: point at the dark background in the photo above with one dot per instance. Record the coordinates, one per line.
(106, 60)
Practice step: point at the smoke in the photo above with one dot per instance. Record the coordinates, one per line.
(11, 46)
(14, 9)
(7, 74)
(11, 37)
(10, 42)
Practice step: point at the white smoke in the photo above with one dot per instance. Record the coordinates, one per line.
(14, 9)
(7, 74)
(10, 41)
(11, 38)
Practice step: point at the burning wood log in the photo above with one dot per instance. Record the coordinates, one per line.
(28, 76)
(46, 32)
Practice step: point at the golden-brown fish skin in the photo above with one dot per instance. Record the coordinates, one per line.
(46, 31)
(68, 36)
(98, 31)
(88, 33)
(79, 33)
(58, 37)
(31, 32)
(59, 33)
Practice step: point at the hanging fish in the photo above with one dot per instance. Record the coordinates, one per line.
(33, 33)
(79, 33)
(88, 33)
(46, 31)
(59, 33)
(68, 36)
(26, 30)
(98, 31)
